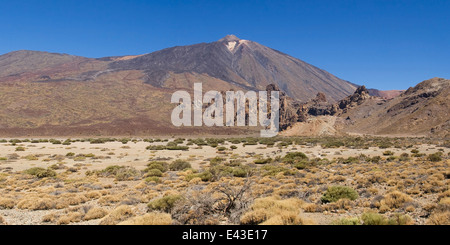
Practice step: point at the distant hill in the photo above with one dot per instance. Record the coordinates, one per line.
(385, 94)
(59, 94)
(421, 110)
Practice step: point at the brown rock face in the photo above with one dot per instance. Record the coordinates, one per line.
(292, 112)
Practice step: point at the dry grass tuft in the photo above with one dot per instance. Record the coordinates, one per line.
(70, 218)
(154, 218)
(36, 203)
(95, 213)
(7, 203)
(275, 211)
(118, 215)
(396, 199)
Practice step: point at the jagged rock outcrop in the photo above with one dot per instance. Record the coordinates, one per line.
(292, 112)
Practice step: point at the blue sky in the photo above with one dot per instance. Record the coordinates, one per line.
(383, 44)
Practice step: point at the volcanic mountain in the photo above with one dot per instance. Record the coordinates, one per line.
(244, 63)
(59, 94)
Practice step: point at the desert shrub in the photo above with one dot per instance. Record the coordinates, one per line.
(435, 157)
(95, 213)
(273, 170)
(216, 160)
(34, 203)
(262, 161)
(20, 148)
(179, 164)
(154, 218)
(31, 157)
(161, 166)
(164, 204)
(154, 179)
(294, 157)
(241, 172)
(7, 203)
(177, 148)
(218, 171)
(334, 193)
(274, 211)
(233, 147)
(120, 173)
(375, 159)
(118, 215)
(70, 218)
(40, 172)
(204, 176)
(221, 148)
(400, 219)
(156, 147)
(388, 153)
(396, 199)
(404, 157)
(349, 160)
(347, 221)
(371, 218)
(154, 172)
(70, 154)
(55, 141)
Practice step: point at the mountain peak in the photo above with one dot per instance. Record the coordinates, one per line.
(229, 38)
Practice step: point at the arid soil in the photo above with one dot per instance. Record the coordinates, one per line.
(224, 181)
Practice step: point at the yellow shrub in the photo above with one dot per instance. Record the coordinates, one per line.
(396, 199)
(70, 218)
(276, 211)
(154, 218)
(95, 213)
(118, 215)
(7, 203)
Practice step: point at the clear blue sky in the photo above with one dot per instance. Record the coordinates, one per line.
(382, 44)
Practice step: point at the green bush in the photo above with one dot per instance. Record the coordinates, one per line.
(40, 172)
(241, 172)
(153, 179)
(177, 148)
(216, 160)
(120, 173)
(347, 221)
(164, 204)
(371, 218)
(262, 161)
(388, 153)
(204, 176)
(273, 170)
(179, 164)
(20, 148)
(435, 157)
(375, 159)
(221, 148)
(294, 157)
(154, 172)
(334, 193)
(161, 166)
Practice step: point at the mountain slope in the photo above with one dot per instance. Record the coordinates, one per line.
(240, 62)
(58, 94)
(422, 110)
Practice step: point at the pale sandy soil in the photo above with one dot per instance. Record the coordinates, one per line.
(136, 155)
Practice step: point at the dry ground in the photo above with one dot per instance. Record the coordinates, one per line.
(255, 183)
